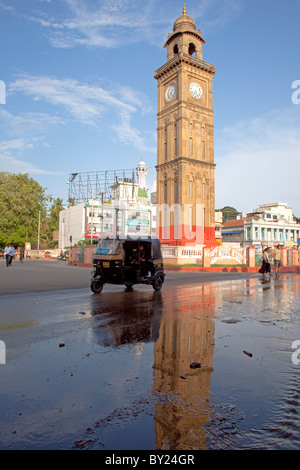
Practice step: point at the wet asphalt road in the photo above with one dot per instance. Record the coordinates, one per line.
(112, 371)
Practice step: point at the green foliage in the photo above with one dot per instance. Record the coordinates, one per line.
(83, 243)
(22, 199)
(227, 210)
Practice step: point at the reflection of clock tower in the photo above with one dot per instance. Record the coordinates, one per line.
(185, 145)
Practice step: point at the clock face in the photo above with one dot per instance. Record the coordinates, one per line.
(195, 90)
(171, 92)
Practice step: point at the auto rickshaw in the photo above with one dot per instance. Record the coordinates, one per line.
(127, 261)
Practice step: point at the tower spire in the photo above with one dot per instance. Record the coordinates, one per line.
(184, 10)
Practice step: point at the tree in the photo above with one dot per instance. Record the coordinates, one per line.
(21, 200)
(227, 210)
(53, 220)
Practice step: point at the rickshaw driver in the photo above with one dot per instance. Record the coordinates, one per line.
(139, 258)
(146, 265)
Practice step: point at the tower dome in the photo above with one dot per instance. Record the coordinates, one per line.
(184, 23)
(142, 164)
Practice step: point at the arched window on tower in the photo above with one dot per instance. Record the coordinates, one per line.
(175, 50)
(175, 139)
(176, 189)
(191, 146)
(166, 145)
(192, 49)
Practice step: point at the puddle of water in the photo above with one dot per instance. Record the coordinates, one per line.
(124, 380)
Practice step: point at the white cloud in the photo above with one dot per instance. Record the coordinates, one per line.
(27, 123)
(129, 135)
(12, 151)
(89, 104)
(108, 24)
(14, 165)
(258, 161)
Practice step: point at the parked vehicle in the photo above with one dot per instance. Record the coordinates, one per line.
(127, 261)
(63, 255)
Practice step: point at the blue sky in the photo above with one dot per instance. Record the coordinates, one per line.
(80, 93)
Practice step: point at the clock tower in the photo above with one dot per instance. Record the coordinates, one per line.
(185, 188)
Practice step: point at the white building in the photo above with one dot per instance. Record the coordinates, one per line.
(129, 212)
(267, 225)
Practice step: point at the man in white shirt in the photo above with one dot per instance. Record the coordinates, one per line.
(7, 254)
(12, 253)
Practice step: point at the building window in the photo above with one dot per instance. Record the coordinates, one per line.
(191, 189)
(176, 190)
(175, 143)
(256, 233)
(203, 191)
(166, 145)
(191, 126)
(166, 192)
(175, 50)
(203, 150)
(263, 234)
(191, 146)
(248, 233)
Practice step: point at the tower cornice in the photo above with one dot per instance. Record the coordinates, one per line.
(187, 59)
(185, 160)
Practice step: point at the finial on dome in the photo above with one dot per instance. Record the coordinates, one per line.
(184, 10)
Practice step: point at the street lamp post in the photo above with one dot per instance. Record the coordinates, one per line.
(92, 217)
(39, 225)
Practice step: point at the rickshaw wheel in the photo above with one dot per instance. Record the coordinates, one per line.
(128, 284)
(157, 283)
(97, 287)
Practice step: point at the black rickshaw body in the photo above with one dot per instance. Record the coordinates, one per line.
(127, 261)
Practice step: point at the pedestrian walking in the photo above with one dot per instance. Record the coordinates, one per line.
(12, 254)
(277, 259)
(21, 254)
(7, 254)
(266, 265)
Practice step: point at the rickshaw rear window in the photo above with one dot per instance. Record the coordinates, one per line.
(108, 247)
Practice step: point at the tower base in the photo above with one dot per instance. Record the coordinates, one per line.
(184, 236)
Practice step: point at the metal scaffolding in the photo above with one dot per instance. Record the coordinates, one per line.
(96, 184)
